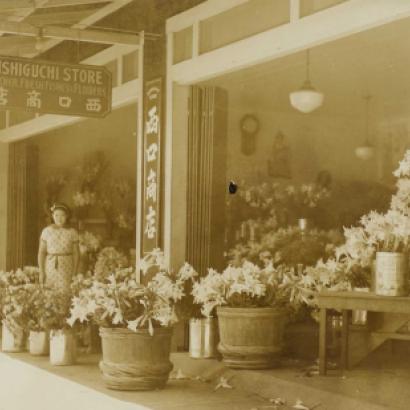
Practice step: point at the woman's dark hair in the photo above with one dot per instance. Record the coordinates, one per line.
(62, 206)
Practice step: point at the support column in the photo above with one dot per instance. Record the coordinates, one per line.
(4, 165)
(176, 186)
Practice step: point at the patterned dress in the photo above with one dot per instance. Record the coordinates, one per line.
(60, 261)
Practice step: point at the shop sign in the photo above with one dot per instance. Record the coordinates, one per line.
(152, 165)
(56, 88)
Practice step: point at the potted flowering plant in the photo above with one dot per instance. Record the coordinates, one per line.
(15, 303)
(14, 297)
(304, 200)
(387, 235)
(135, 322)
(250, 303)
(43, 314)
(109, 260)
(287, 246)
(37, 314)
(63, 348)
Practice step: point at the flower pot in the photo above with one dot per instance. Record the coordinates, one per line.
(203, 338)
(12, 341)
(135, 360)
(62, 347)
(359, 317)
(391, 274)
(39, 343)
(250, 338)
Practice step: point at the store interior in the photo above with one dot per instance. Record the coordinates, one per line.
(350, 145)
(91, 166)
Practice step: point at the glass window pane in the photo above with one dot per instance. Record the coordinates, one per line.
(182, 45)
(130, 66)
(250, 18)
(308, 7)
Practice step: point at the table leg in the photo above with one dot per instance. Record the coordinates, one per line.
(323, 342)
(344, 360)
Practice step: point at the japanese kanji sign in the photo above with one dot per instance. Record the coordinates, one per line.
(152, 165)
(48, 87)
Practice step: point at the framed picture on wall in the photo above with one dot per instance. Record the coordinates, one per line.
(279, 165)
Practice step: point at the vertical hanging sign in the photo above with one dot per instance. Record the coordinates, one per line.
(152, 166)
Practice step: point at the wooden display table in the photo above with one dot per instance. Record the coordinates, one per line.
(348, 301)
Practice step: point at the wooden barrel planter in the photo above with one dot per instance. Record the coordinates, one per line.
(135, 360)
(39, 343)
(12, 341)
(250, 338)
(203, 338)
(63, 348)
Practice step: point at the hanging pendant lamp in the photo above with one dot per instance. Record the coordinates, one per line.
(307, 98)
(366, 150)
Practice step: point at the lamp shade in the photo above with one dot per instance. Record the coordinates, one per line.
(306, 99)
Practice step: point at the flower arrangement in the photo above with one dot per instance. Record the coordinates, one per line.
(45, 309)
(120, 301)
(247, 285)
(15, 306)
(351, 266)
(329, 275)
(31, 306)
(58, 310)
(304, 198)
(386, 232)
(287, 246)
(255, 210)
(88, 242)
(81, 281)
(109, 260)
(84, 199)
(15, 279)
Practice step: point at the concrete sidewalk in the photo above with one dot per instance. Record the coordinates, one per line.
(29, 382)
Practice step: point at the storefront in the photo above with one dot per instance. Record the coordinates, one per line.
(89, 163)
(236, 85)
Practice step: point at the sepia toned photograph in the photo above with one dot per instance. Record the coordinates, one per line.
(204, 204)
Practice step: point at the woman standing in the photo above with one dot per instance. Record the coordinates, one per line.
(58, 254)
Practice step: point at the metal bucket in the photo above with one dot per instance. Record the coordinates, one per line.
(359, 317)
(12, 342)
(391, 277)
(203, 338)
(39, 343)
(62, 347)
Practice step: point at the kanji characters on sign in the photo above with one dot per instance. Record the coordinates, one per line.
(3, 96)
(152, 167)
(34, 99)
(54, 87)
